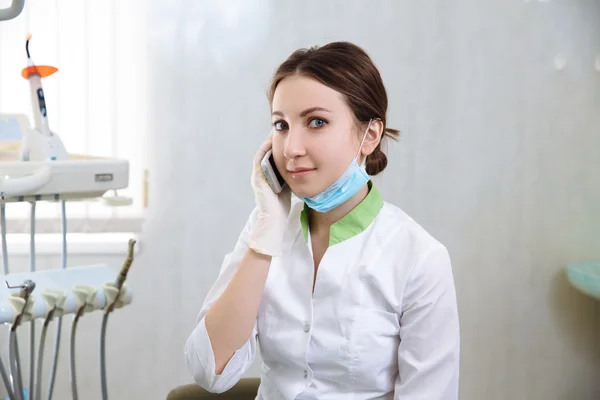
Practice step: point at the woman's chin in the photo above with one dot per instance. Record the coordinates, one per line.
(300, 194)
(302, 191)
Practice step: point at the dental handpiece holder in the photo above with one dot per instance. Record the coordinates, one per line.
(92, 286)
(21, 302)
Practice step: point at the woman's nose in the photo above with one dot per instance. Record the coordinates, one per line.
(294, 146)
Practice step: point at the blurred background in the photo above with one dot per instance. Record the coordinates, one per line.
(498, 103)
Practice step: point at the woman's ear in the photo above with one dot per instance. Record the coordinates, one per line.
(373, 137)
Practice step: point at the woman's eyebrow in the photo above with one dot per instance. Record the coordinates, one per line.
(303, 113)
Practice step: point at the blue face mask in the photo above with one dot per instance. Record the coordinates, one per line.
(344, 188)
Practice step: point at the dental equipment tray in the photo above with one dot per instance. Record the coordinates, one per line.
(80, 177)
(63, 279)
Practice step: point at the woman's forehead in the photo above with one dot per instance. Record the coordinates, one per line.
(295, 94)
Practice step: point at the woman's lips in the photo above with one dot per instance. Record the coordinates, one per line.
(301, 172)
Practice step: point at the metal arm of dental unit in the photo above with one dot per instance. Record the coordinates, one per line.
(12, 11)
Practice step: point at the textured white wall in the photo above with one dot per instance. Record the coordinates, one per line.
(499, 160)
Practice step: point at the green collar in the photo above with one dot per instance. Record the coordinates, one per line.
(352, 223)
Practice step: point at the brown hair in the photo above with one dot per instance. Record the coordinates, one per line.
(348, 69)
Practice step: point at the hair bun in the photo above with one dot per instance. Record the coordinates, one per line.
(376, 162)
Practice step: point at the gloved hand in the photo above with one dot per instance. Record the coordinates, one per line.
(272, 210)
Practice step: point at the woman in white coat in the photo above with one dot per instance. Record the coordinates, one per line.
(348, 297)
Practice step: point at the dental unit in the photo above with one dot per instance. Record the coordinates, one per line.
(37, 168)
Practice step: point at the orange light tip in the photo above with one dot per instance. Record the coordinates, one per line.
(42, 70)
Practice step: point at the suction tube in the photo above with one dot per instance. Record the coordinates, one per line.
(119, 284)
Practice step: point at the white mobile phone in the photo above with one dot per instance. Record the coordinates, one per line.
(271, 173)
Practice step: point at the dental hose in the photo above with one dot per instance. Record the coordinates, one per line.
(103, 357)
(38, 384)
(32, 324)
(5, 377)
(15, 359)
(15, 363)
(119, 284)
(6, 381)
(59, 322)
(72, 353)
(4, 245)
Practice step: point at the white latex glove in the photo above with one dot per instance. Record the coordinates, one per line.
(272, 210)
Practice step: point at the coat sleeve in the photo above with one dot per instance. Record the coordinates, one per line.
(428, 354)
(198, 349)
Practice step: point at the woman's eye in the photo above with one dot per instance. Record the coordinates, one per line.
(317, 123)
(280, 125)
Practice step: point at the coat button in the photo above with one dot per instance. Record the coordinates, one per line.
(306, 328)
(305, 374)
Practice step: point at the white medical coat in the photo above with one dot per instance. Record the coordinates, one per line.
(382, 322)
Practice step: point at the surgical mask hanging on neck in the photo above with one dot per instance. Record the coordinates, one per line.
(344, 188)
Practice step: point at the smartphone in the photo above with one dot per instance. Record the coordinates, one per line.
(271, 173)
